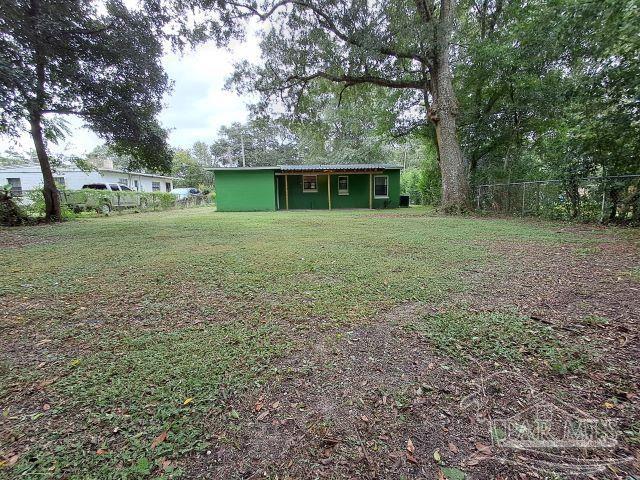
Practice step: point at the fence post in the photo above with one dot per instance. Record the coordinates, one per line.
(478, 197)
(604, 196)
(524, 189)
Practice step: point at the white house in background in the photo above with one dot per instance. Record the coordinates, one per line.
(25, 178)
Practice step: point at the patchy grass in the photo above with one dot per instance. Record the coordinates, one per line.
(504, 336)
(117, 330)
(133, 388)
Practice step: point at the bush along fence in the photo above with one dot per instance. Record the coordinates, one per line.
(610, 199)
(107, 202)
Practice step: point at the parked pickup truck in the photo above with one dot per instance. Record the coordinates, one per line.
(92, 199)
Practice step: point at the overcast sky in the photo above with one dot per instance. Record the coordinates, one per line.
(197, 106)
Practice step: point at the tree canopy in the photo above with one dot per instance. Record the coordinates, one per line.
(66, 57)
(535, 89)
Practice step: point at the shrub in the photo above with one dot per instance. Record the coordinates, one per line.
(10, 213)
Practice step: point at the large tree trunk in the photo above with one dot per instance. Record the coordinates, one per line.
(50, 192)
(443, 112)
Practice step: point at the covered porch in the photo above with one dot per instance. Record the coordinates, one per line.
(337, 186)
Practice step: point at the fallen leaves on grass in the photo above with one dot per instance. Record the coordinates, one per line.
(159, 439)
(482, 448)
(187, 401)
(412, 459)
(410, 451)
(436, 456)
(10, 462)
(410, 447)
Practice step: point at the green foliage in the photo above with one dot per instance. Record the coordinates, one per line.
(197, 305)
(502, 336)
(35, 206)
(452, 473)
(149, 375)
(99, 61)
(563, 104)
(263, 140)
(190, 170)
(10, 213)
(422, 184)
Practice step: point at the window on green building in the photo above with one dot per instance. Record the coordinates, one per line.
(343, 185)
(309, 183)
(381, 186)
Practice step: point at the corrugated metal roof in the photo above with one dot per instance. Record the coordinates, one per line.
(317, 168)
(241, 168)
(343, 167)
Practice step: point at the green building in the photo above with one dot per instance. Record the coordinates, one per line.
(289, 187)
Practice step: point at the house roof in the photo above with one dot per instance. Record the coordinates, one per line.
(345, 167)
(320, 167)
(16, 169)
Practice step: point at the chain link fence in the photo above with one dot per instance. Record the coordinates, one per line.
(609, 199)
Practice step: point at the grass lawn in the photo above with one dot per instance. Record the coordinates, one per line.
(198, 344)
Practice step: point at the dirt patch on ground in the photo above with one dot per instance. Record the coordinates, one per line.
(15, 239)
(346, 405)
(378, 401)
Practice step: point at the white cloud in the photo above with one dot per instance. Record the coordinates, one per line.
(196, 108)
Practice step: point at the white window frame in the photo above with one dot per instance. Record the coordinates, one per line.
(59, 180)
(153, 187)
(124, 181)
(343, 191)
(16, 190)
(309, 190)
(386, 177)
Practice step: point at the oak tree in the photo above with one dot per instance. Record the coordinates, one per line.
(398, 44)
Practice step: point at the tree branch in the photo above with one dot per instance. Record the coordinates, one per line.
(63, 111)
(403, 133)
(328, 24)
(350, 80)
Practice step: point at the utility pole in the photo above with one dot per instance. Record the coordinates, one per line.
(242, 147)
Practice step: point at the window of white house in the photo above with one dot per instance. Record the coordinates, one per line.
(16, 186)
(343, 185)
(381, 186)
(167, 186)
(309, 183)
(136, 184)
(59, 181)
(155, 186)
(123, 181)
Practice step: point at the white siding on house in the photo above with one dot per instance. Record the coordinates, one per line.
(74, 179)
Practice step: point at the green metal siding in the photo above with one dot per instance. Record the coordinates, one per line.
(358, 192)
(309, 200)
(394, 191)
(245, 190)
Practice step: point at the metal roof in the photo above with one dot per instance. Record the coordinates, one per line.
(242, 168)
(319, 168)
(343, 167)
